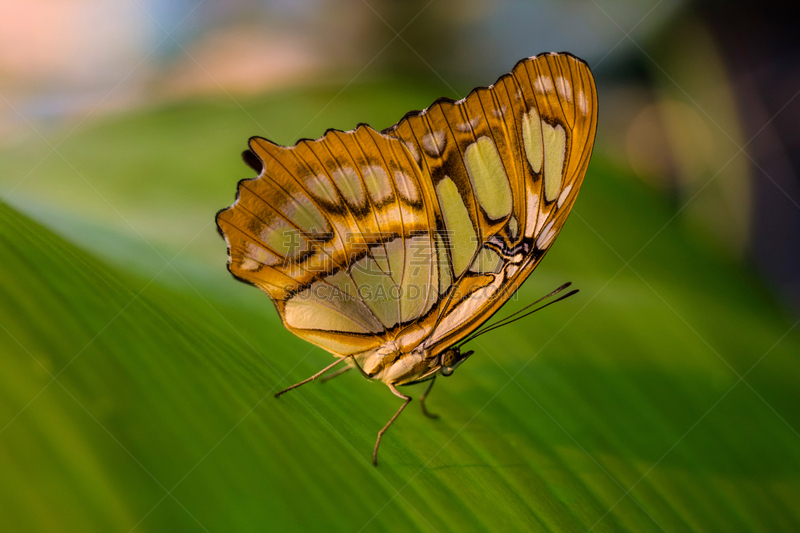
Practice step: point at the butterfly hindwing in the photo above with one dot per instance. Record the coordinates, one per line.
(329, 230)
(417, 234)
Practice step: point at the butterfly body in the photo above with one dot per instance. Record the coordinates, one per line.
(389, 248)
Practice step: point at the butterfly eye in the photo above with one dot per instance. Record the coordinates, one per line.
(452, 359)
(449, 358)
(449, 361)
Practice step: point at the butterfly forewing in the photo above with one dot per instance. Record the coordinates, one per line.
(420, 233)
(508, 161)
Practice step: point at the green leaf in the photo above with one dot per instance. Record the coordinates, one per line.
(138, 377)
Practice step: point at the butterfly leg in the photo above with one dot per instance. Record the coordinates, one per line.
(312, 378)
(335, 374)
(422, 400)
(391, 421)
(355, 362)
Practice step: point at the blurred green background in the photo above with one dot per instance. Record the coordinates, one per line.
(137, 375)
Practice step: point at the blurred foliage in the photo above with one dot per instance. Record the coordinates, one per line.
(161, 415)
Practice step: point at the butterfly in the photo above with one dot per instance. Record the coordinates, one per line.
(391, 249)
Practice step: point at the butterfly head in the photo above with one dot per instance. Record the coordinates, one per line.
(452, 358)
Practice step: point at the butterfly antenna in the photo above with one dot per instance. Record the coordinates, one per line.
(514, 317)
(502, 320)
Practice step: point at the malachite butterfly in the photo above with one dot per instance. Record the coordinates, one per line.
(390, 249)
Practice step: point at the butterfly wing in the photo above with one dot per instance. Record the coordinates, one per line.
(329, 230)
(421, 232)
(506, 163)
